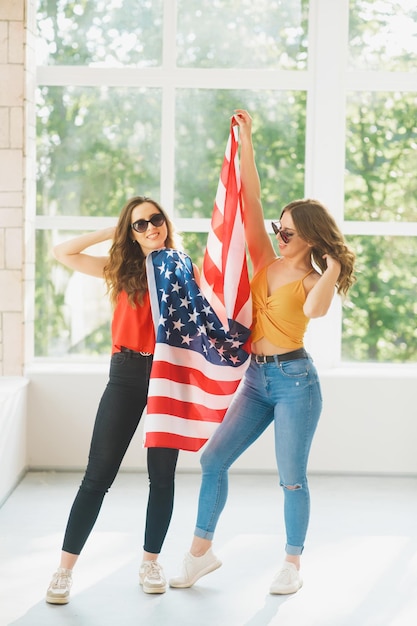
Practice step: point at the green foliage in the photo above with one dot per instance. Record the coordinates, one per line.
(381, 160)
(279, 138)
(381, 157)
(96, 148)
(96, 343)
(103, 32)
(50, 324)
(382, 35)
(242, 34)
(379, 319)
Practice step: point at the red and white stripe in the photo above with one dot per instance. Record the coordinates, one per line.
(224, 277)
(187, 399)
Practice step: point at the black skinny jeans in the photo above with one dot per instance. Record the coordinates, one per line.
(118, 416)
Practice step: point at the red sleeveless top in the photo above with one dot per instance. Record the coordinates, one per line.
(133, 328)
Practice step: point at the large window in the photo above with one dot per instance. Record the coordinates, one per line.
(380, 183)
(135, 97)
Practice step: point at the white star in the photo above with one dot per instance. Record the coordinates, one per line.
(162, 321)
(185, 302)
(192, 317)
(171, 309)
(164, 297)
(176, 287)
(161, 268)
(202, 330)
(186, 339)
(178, 325)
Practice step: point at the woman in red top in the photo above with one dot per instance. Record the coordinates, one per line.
(142, 227)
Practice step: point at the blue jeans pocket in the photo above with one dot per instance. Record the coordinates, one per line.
(299, 368)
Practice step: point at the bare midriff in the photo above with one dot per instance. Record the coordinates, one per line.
(265, 347)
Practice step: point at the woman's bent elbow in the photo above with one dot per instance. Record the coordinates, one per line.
(55, 252)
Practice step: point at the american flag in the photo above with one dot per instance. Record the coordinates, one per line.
(201, 333)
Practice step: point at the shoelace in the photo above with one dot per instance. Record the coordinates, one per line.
(61, 581)
(153, 570)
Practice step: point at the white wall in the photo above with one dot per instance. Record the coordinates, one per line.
(13, 452)
(368, 423)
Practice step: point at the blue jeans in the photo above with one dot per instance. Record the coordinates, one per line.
(287, 393)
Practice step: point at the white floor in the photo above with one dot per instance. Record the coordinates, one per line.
(359, 565)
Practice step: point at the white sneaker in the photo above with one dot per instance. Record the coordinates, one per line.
(288, 580)
(194, 567)
(60, 587)
(151, 577)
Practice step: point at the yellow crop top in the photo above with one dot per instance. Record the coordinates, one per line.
(279, 317)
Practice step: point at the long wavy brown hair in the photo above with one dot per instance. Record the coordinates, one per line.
(318, 227)
(126, 268)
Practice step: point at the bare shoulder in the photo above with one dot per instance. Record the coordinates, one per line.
(263, 260)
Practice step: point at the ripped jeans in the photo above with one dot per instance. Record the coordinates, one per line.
(287, 393)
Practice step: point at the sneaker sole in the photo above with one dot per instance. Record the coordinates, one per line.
(153, 589)
(203, 572)
(57, 600)
(147, 589)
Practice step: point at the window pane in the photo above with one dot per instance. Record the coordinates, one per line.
(383, 35)
(96, 148)
(242, 34)
(381, 157)
(194, 245)
(108, 33)
(279, 140)
(72, 309)
(378, 324)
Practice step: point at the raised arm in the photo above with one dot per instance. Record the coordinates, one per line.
(259, 243)
(320, 297)
(70, 253)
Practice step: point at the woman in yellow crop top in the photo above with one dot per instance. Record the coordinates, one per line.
(281, 383)
(142, 227)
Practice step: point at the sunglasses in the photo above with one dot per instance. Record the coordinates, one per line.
(140, 226)
(277, 228)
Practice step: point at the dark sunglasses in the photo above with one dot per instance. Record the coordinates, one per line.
(140, 226)
(277, 228)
